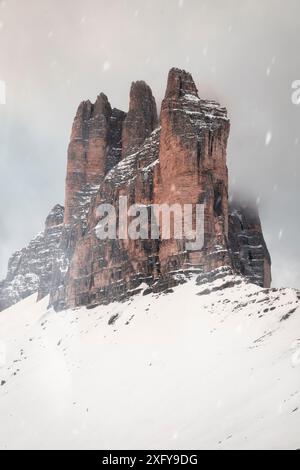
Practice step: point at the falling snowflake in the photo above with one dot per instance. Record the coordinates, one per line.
(1, 25)
(2, 353)
(180, 3)
(280, 235)
(106, 66)
(268, 138)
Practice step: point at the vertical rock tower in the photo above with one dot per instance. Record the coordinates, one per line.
(179, 160)
(176, 159)
(141, 119)
(192, 169)
(95, 148)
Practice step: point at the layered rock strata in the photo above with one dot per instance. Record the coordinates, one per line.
(248, 249)
(177, 159)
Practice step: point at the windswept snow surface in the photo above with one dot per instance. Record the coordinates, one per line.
(219, 370)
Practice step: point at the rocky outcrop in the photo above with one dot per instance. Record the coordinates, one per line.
(141, 119)
(104, 270)
(95, 148)
(249, 252)
(192, 169)
(178, 160)
(30, 270)
(182, 162)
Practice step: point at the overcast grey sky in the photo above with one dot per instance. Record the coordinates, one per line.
(244, 53)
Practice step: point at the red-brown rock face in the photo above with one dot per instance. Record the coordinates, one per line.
(101, 271)
(30, 270)
(94, 149)
(181, 160)
(192, 169)
(249, 252)
(141, 119)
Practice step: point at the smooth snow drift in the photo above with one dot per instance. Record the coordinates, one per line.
(218, 370)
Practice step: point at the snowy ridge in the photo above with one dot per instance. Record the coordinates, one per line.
(203, 113)
(213, 365)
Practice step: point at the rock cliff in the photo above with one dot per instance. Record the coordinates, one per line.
(177, 159)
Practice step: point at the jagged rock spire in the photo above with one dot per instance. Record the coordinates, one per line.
(141, 119)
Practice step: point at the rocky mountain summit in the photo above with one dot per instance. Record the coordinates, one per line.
(178, 158)
(30, 270)
(214, 365)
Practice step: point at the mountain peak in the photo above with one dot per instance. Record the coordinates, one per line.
(180, 83)
(112, 155)
(141, 119)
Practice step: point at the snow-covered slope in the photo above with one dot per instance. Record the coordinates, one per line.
(180, 370)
